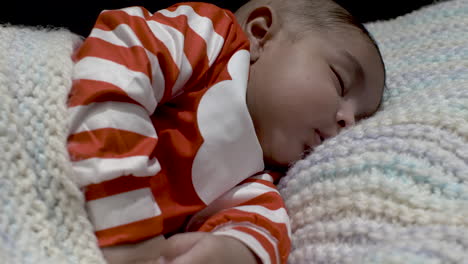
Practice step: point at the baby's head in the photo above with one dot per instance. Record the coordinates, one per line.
(314, 71)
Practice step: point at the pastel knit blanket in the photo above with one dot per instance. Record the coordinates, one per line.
(394, 189)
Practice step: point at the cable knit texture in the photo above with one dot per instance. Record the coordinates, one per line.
(42, 219)
(394, 189)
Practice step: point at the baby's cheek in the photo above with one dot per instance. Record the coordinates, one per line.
(292, 151)
(284, 148)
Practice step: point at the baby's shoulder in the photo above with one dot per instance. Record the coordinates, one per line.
(204, 10)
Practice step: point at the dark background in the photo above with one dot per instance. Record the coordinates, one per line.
(79, 15)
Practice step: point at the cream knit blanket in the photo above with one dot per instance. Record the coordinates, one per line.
(393, 189)
(42, 219)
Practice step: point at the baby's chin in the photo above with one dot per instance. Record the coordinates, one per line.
(282, 162)
(307, 152)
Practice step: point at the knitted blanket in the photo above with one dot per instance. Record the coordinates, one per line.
(42, 218)
(394, 189)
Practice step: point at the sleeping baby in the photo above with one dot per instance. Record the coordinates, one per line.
(182, 121)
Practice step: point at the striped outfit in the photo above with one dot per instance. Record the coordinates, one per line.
(161, 139)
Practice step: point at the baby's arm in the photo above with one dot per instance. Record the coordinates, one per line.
(132, 62)
(204, 247)
(140, 253)
(122, 72)
(191, 247)
(112, 138)
(253, 213)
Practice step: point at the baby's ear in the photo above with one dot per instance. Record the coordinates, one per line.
(258, 27)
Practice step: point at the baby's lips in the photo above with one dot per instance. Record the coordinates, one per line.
(319, 136)
(307, 150)
(305, 154)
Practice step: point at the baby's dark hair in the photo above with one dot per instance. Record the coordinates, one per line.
(323, 15)
(317, 14)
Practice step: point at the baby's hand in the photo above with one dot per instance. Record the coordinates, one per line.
(201, 247)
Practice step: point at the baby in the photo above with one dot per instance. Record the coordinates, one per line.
(176, 117)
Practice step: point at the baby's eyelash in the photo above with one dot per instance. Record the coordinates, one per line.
(339, 80)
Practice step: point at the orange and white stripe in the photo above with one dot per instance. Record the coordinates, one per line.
(203, 26)
(132, 206)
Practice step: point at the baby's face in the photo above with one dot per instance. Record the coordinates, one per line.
(301, 93)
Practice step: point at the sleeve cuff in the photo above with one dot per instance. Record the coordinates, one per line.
(256, 239)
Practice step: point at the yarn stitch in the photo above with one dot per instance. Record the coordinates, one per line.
(42, 217)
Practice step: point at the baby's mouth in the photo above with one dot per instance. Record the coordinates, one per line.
(307, 151)
(320, 137)
(308, 148)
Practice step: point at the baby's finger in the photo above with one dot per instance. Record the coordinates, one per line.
(207, 250)
(180, 244)
(217, 250)
(139, 253)
(196, 255)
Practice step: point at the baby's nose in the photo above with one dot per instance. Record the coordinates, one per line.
(340, 124)
(346, 123)
(345, 119)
